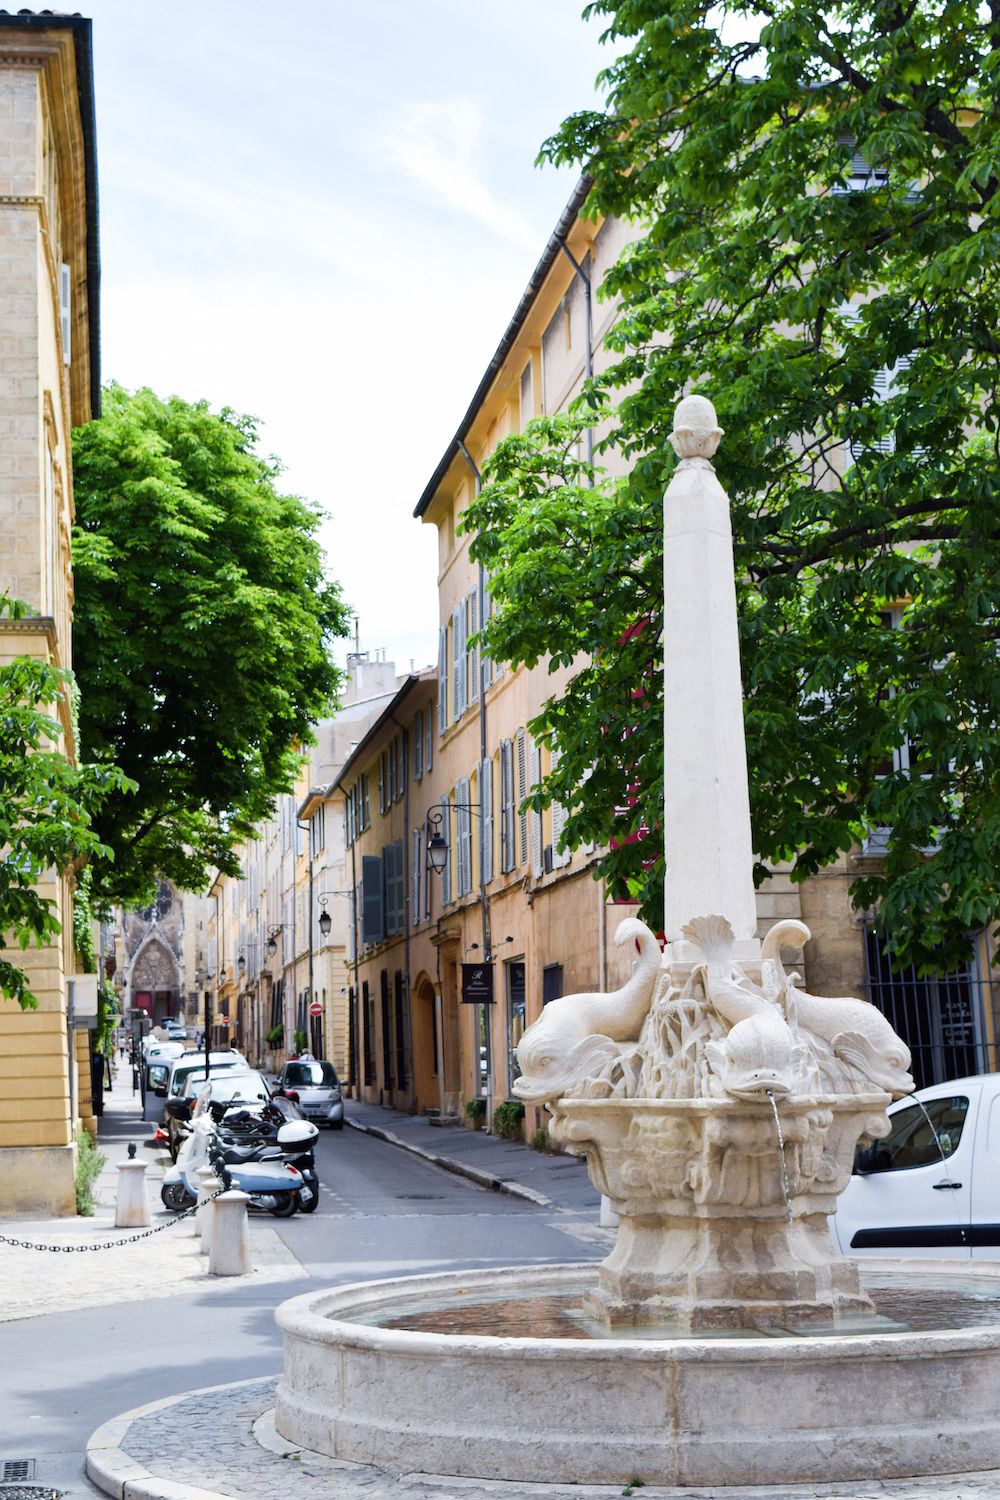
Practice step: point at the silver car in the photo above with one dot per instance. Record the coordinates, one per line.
(316, 1087)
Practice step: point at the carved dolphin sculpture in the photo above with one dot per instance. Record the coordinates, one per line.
(858, 1032)
(759, 1056)
(545, 1052)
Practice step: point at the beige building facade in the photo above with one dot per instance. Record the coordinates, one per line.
(49, 382)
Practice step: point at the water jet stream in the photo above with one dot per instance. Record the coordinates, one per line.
(781, 1153)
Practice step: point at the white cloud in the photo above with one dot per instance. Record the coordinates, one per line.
(437, 145)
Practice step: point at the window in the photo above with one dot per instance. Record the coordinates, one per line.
(365, 812)
(458, 657)
(920, 1136)
(514, 975)
(383, 782)
(527, 395)
(552, 982)
(415, 877)
(387, 1078)
(522, 792)
(368, 1005)
(472, 652)
(418, 746)
(317, 832)
(486, 820)
(939, 1017)
(559, 857)
(398, 752)
(402, 1071)
(429, 746)
(861, 177)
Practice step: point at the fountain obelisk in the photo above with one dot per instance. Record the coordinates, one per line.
(707, 840)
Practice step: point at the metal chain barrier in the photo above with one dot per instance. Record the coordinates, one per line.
(6, 1239)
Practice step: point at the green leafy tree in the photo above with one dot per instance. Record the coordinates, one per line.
(47, 807)
(203, 623)
(816, 243)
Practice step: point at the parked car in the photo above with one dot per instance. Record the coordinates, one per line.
(160, 1089)
(316, 1089)
(930, 1187)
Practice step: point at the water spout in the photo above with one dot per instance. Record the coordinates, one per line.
(937, 1138)
(781, 1153)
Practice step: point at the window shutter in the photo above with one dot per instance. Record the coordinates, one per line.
(415, 874)
(446, 872)
(381, 783)
(486, 819)
(472, 664)
(463, 830)
(522, 792)
(418, 746)
(458, 661)
(487, 612)
(506, 805)
(429, 747)
(535, 818)
(65, 324)
(372, 902)
(442, 679)
(558, 825)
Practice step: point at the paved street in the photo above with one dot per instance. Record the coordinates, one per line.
(382, 1211)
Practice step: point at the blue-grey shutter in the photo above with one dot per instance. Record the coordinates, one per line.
(458, 660)
(463, 837)
(442, 679)
(507, 858)
(446, 872)
(415, 874)
(372, 899)
(522, 792)
(472, 668)
(486, 820)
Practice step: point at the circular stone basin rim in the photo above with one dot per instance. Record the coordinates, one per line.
(327, 1318)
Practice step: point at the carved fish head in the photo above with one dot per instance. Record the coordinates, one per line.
(757, 1057)
(550, 1069)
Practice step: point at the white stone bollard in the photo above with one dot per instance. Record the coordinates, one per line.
(230, 1252)
(131, 1208)
(208, 1184)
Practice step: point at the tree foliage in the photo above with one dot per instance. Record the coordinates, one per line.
(814, 216)
(203, 621)
(47, 807)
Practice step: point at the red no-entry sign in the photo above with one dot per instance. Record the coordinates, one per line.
(316, 1009)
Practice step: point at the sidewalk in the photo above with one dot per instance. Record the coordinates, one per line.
(130, 1264)
(559, 1181)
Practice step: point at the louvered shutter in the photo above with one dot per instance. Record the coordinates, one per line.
(522, 792)
(487, 612)
(472, 613)
(442, 679)
(535, 818)
(457, 664)
(558, 825)
(486, 819)
(372, 899)
(415, 877)
(418, 746)
(463, 822)
(65, 323)
(506, 805)
(446, 872)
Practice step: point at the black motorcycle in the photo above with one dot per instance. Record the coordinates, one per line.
(266, 1135)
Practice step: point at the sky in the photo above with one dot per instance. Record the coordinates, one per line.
(325, 214)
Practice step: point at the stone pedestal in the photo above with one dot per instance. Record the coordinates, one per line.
(707, 1238)
(131, 1208)
(230, 1251)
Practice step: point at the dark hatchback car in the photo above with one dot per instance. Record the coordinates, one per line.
(316, 1088)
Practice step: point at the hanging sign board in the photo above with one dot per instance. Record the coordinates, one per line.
(477, 984)
(83, 999)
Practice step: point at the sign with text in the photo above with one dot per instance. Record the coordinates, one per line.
(477, 984)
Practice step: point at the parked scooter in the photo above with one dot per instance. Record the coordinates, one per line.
(251, 1134)
(272, 1185)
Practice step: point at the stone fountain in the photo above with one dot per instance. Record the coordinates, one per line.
(719, 1105)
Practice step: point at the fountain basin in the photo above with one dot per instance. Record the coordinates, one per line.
(676, 1410)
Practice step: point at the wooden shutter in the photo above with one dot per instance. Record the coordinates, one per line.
(442, 679)
(522, 792)
(372, 899)
(507, 854)
(415, 877)
(446, 872)
(535, 818)
(486, 819)
(463, 837)
(558, 825)
(472, 661)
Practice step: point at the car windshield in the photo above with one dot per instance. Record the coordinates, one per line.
(304, 1074)
(181, 1075)
(231, 1086)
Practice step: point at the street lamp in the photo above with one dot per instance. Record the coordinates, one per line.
(241, 964)
(272, 939)
(437, 844)
(325, 919)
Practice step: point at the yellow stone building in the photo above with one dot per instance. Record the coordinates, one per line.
(49, 382)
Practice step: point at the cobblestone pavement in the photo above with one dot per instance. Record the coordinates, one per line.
(213, 1441)
(37, 1282)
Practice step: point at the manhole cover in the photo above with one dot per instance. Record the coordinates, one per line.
(421, 1197)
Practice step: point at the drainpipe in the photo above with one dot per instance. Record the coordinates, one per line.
(588, 337)
(484, 900)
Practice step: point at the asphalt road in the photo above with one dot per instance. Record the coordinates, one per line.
(382, 1212)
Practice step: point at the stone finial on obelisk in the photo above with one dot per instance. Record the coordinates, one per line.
(707, 841)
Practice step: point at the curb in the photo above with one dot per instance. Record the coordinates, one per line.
(113, 1471)
(458, 1168)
